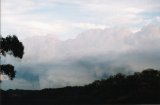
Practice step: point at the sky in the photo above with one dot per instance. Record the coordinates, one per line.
(74, 42)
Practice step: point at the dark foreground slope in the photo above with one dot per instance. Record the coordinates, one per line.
(139, 88)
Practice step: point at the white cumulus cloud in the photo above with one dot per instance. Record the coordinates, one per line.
(94, 54)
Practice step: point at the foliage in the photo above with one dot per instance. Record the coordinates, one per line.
(12, 46)
(138, 88)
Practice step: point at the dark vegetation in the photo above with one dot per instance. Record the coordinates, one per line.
(138, 88)
(11, 46)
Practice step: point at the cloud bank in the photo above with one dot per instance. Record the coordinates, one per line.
(97, 53)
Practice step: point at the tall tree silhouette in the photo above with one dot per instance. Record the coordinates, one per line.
(12, 46)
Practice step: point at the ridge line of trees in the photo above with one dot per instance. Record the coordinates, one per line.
(138, 88)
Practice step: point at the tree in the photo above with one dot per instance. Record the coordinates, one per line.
(12, 46)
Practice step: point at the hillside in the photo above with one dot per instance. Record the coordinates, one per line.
(138, 88)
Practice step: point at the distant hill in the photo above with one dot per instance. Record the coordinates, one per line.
(139, 88)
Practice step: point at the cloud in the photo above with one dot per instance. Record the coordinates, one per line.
(97, 52)
(67, 18)
(19, 84)
(94, 54)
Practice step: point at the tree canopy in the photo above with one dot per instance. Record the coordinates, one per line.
(12, 46)
(138, 88)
